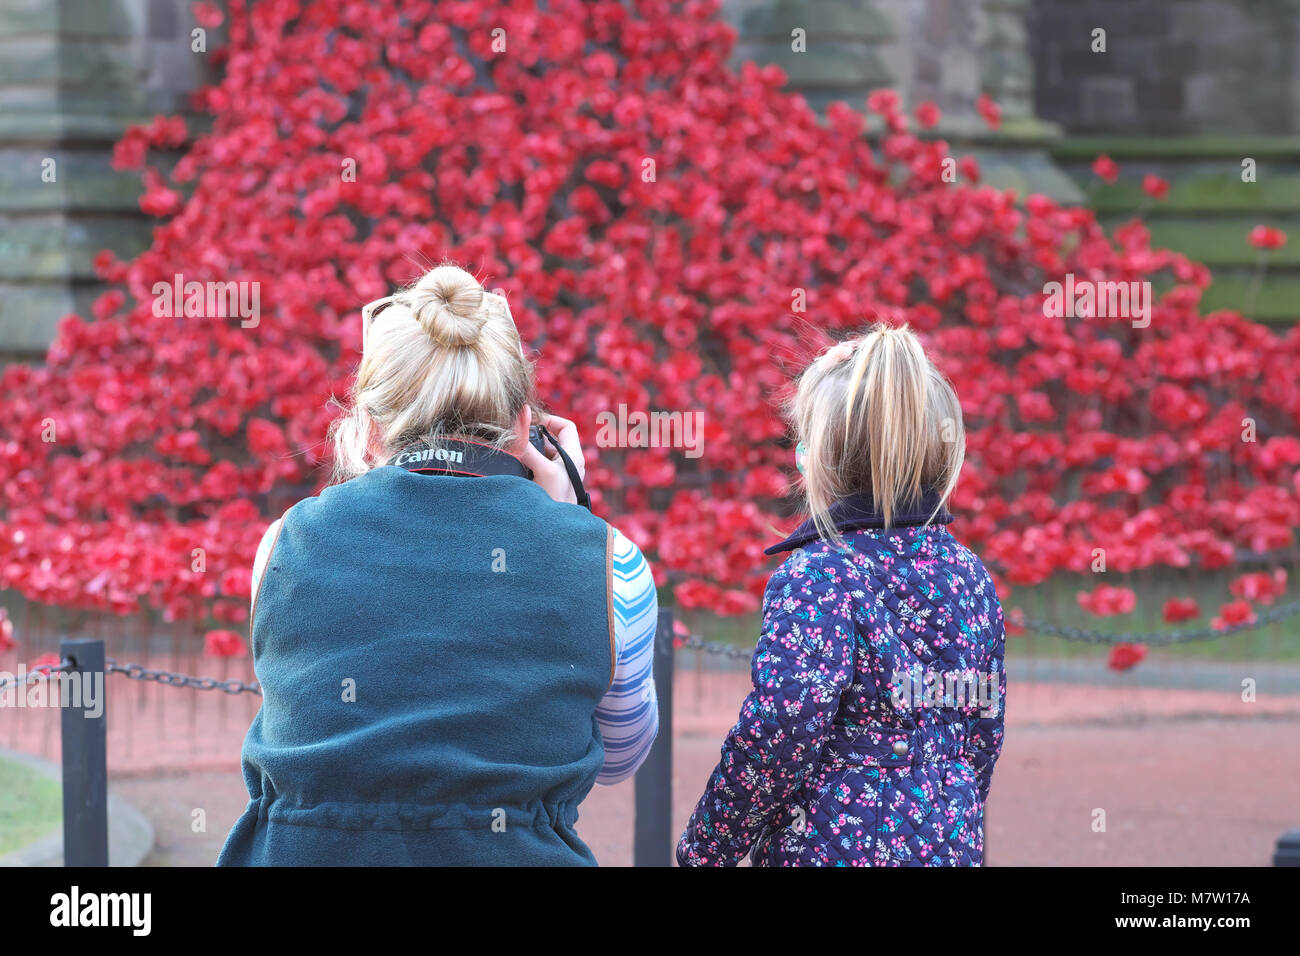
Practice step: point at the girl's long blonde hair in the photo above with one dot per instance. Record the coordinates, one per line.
(875, 415)
(442, 358)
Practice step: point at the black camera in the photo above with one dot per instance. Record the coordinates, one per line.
(538, 437)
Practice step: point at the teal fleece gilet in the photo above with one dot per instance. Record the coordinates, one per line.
(431, 651)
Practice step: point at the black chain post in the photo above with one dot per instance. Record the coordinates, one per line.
(1287, 852)
(654, 780)
(85, 754)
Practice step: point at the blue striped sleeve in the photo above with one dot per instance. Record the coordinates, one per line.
(628, 715)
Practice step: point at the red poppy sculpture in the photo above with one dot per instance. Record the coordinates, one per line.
(672, 235)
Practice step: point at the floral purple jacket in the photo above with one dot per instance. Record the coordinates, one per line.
(876, 717)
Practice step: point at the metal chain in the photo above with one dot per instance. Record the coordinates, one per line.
(716, 648)
(693, 642)
(44, 672)
(1158, 638)
(171, 679)
(1046, 628)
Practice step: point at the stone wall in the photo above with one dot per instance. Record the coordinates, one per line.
(944, 51)
(1170, 66)
(947, 51)
(75, 73)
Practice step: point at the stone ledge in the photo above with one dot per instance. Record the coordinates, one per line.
(827, 63)
(17, 128)
(1183, 147)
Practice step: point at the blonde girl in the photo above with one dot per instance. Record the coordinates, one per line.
(876, 716)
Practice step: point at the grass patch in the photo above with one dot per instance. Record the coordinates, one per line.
(31, 805)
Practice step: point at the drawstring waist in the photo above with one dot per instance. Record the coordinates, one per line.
(405, 816)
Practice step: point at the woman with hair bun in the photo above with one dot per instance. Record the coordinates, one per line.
(452, 650)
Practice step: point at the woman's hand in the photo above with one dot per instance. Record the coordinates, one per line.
(548, 469)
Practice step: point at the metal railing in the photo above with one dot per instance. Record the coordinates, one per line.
(84, 734)
(85, 749)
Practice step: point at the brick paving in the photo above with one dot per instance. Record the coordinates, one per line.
(1184, 776)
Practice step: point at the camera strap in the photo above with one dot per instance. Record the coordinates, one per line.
(468, 458)
(575, 479)
(459, 456)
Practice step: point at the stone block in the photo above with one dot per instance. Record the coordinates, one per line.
(30, 314)
(55, 62)
(928, 68)
(56, 248)
(32, 249)
(1107, 100)
(28, 17)
(1177, 58)
(1003, 29)
(164, 20)
(961, 77)
(1159, 96)
(174, 67)
(85, 180)
(117, 19)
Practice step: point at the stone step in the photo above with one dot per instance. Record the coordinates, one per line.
(1274, 192)
(1084, 149)
(1209, 212)
(1277, 301)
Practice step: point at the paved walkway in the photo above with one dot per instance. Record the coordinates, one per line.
(1184, 776)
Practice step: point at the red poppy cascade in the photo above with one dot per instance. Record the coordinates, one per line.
(672, 235)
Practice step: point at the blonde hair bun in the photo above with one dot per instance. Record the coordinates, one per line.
(448, 304)
(444, 360)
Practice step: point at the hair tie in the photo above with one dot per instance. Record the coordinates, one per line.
(842, 352)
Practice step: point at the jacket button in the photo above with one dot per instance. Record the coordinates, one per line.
(900, 747)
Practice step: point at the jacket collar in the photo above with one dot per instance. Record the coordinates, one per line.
(859, 511)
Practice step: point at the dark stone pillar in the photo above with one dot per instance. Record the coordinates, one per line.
(73, 75)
